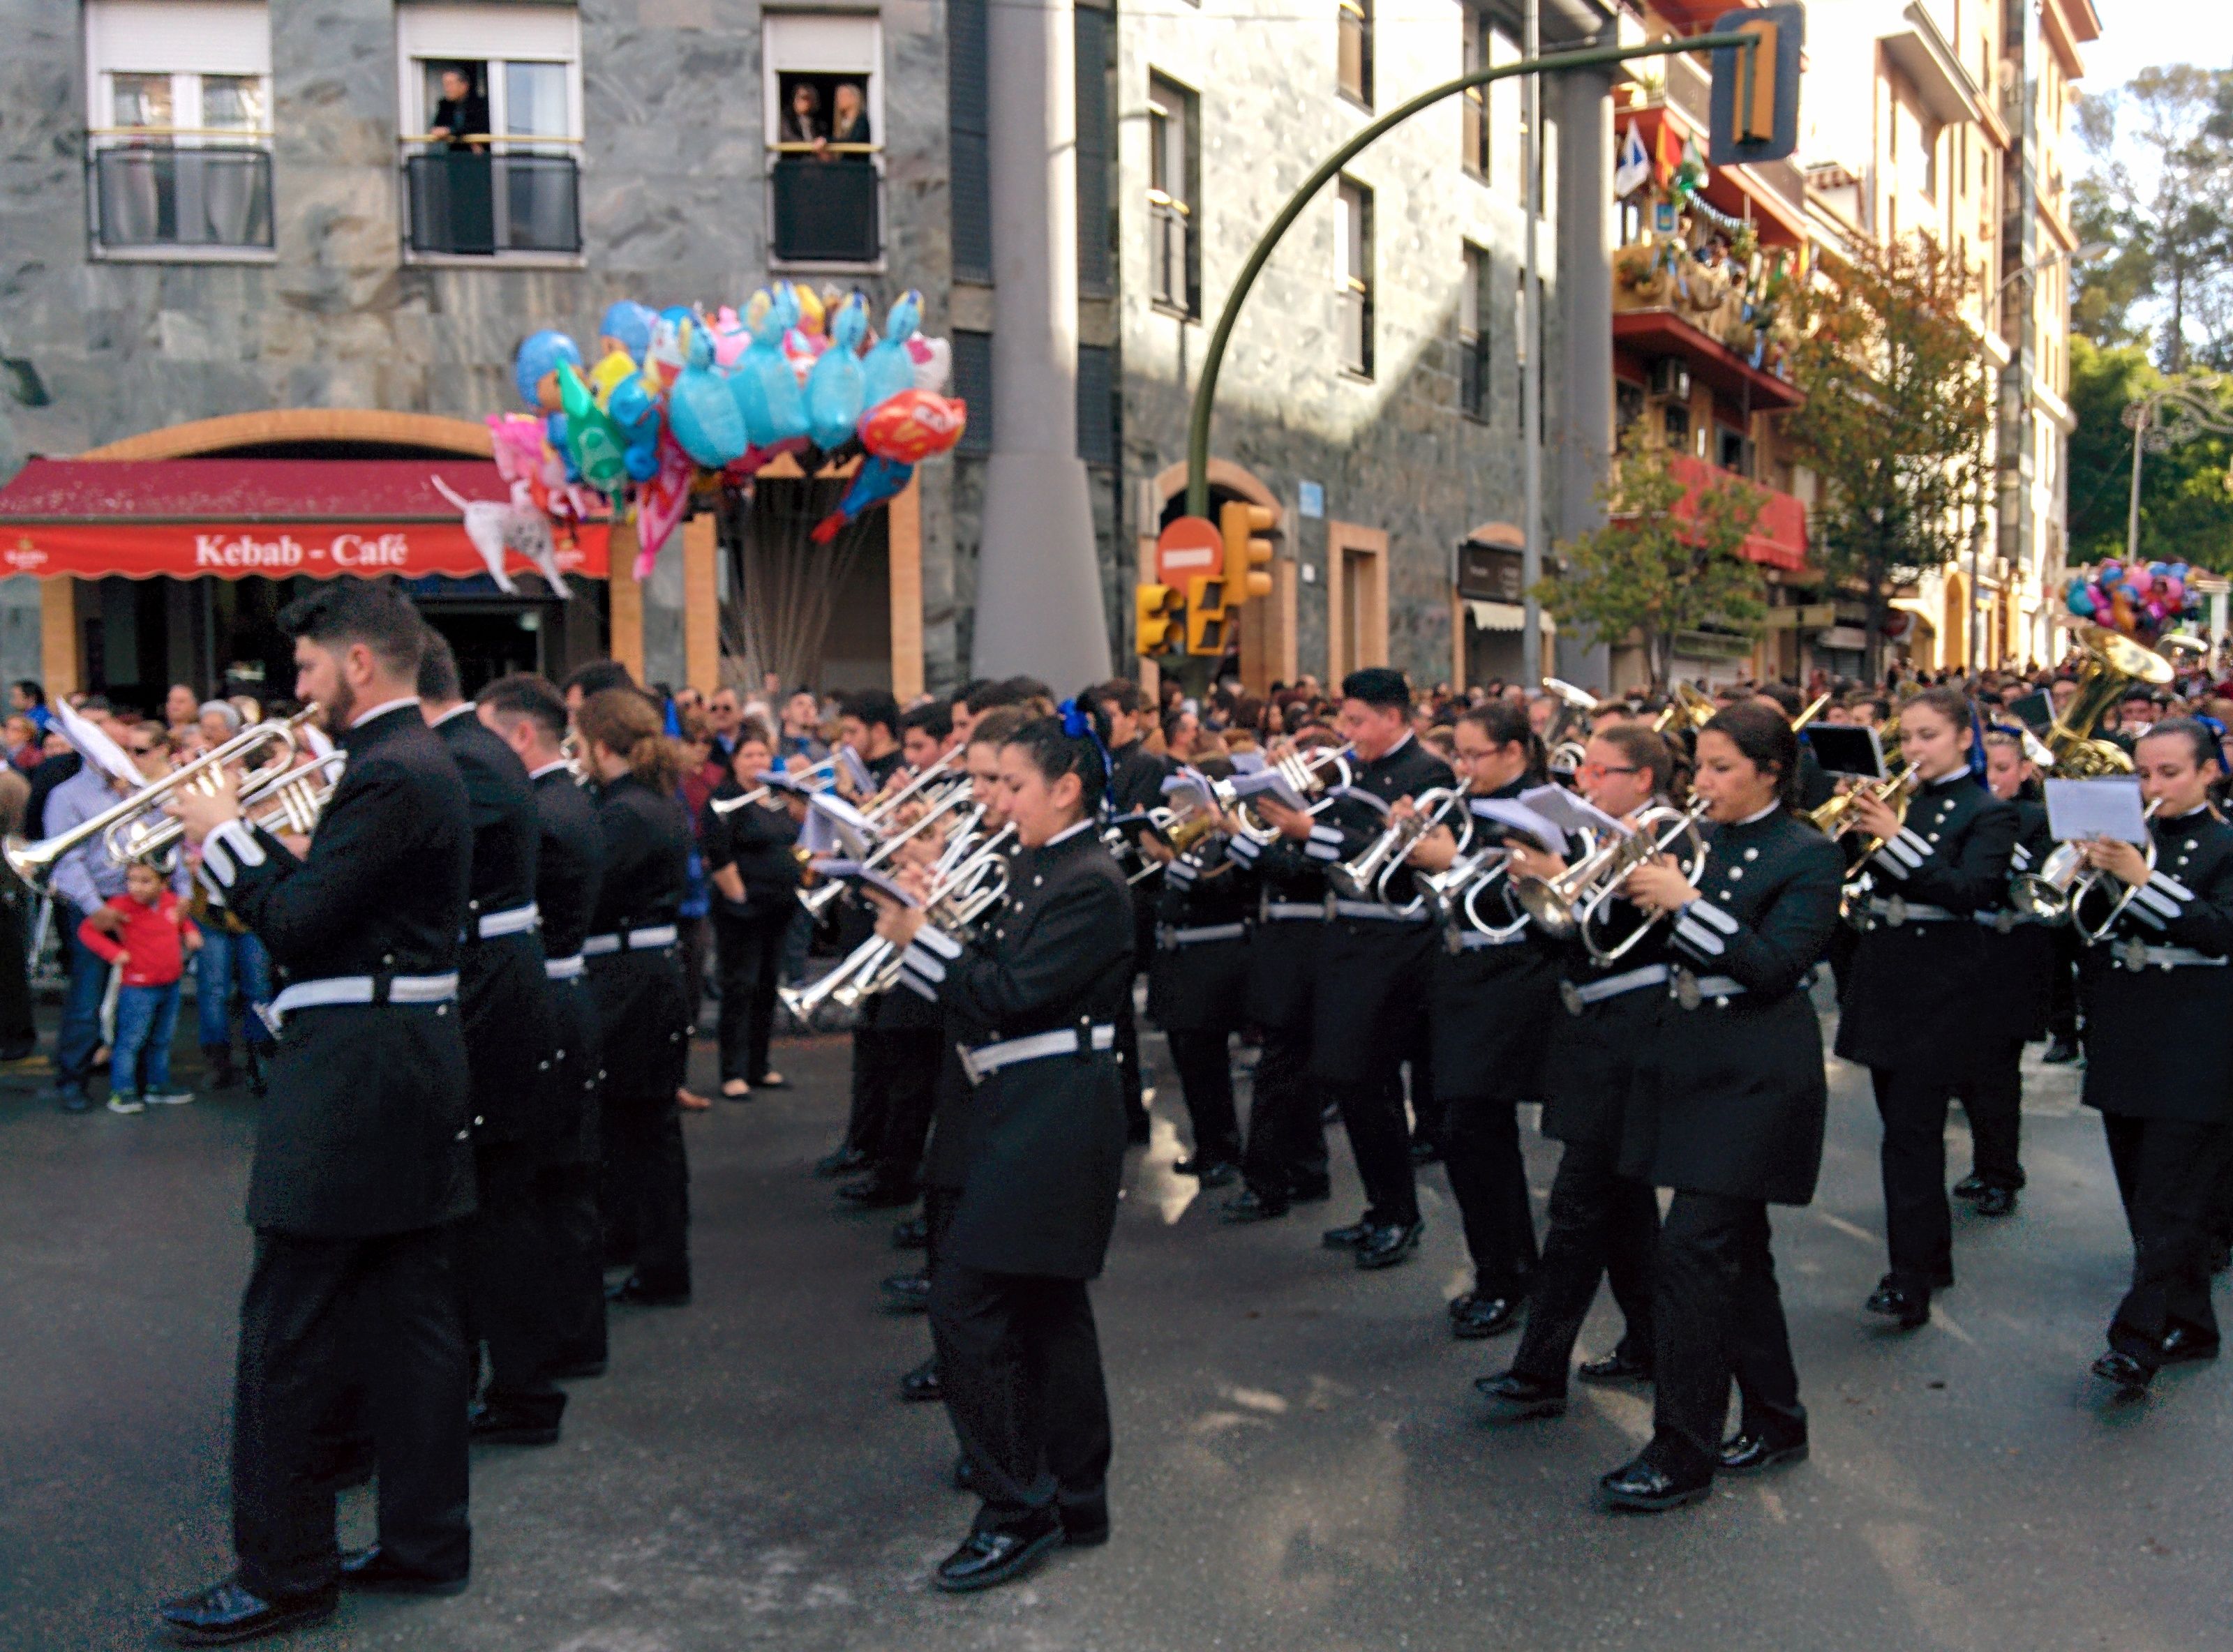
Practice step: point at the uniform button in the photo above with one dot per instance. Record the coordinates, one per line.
(460, 1137)
(441, 1009)
(387, 957)
(545, 1067)
(1934, 837)
(478, 1119)
(1735, 872)
(1036, 882)
(1752, 855)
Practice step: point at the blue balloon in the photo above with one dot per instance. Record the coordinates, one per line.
(887, 368)
(539, 355)
(628, 325)
(834, 387)
(702, 412)
(763, 386)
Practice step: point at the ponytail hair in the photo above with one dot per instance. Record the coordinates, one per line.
(624, 723)
(1505, 725)
(1077, 742)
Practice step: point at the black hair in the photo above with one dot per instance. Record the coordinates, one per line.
(31, 691)
(1784, 695)
(1767, 739)
(1055, 753)
(1950, 703)
(370, 611)
(1022, 691)
(525, 696)
(2200, 740)
(437, 669)
(966, 696)
(1505, 725)
(934, 719)
(597, 676)
(872, 706)
(998, 726)
(1645, 748)
(1122, 693)
(750, 729)
(1380, 686)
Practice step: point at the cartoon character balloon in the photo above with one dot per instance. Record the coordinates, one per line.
(835, 390)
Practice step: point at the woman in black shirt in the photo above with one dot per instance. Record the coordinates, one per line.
(747, 848)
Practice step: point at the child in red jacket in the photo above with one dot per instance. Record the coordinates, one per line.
(150, 949)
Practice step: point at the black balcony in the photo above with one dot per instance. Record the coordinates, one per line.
(156, 196)
(469, 203)
(826, 212)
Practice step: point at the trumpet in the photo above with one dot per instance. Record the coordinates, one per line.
(1362, 878)
(938, 773)
(817, 900)
(1316, 775)
(1688, 709)
(2093, 934)
(1574, 903)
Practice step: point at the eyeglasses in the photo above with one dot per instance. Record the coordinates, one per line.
(1601, 769)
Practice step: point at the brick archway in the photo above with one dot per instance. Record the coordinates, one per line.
(202, 436)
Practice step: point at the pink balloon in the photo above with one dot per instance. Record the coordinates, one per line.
(2142, 580)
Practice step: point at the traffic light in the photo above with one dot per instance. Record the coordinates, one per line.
(1753, 114)
(1205, 619)
(1247, 573)
(1157, 612)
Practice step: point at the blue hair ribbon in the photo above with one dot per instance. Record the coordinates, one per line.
(1079, 724)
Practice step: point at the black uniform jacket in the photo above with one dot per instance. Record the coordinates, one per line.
(1348, 826)
(1492, 1009)
(2014, 993)
(570, 863)
(1135, 778)
(756, 839)
(1045, 1138)
(2159, 1042)
(946, 1165)
(500, 988)
(1198, 975)
(1737, 1092)
(643, 1024)
(365, 1130)
(1912, 991)
(1287, 912)
(1599, 1050)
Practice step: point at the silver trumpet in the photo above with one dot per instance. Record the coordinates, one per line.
(280, 804)
(817, 900)
(2051, 894)
(726, 806)
(965, 894)
(938, 773)
(1317, 775)
(1575, 901)
(2094, 933)
(1365, 878)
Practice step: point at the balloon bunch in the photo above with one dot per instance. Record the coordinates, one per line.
(2142, 599)
(679, 401)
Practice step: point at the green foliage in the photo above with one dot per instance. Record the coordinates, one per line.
(1651, 572)
(2186, 512)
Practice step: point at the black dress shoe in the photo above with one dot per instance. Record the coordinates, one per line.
(2060, 1052)
(908, 1291)
(1473, 1316)
(876, 1194)
(844, 1162)
(580, 1371)
(225, 1613)
(913, 1234)
(1615, 1367)
(1910, 1308)
(1386, 1245)
(921, 1382)
(634, 1292)
(1749, 1453)
(2180, 1345)
(1251, 1206)
(2128, 1374)
(372, 1570)
(989, 1558)
(1309, 1193)
(1996, 1201)
(488, 1427)
(1643, 1487)
(1514, 1398)
(1211, 1173)
(1969, 1186)
(1346, 1238)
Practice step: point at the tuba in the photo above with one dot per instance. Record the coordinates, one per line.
(1566, 740)
(2113, 663)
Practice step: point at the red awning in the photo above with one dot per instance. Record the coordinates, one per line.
(1779, 535)
(272, 517)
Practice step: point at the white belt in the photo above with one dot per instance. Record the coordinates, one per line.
(1690, 991)
(518, 921)
(1577, 995)
(1376, 910)
(360, 989)
(634, 940)
(2004, 919)
(1470, 939)
(988, 1059)
(1895, 911)
(1166, 936)
(2133, 955)
(564, 969)
(1313, 910)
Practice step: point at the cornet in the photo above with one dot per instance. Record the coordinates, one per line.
(1362, 878)
(1316, 775)
(817, 900)
(1574, 903)
(2095, 878)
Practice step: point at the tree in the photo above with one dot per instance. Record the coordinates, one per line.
(1667, 560)
(2186, 511)
(1897, 414)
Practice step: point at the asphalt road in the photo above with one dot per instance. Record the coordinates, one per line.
(1301, 1466)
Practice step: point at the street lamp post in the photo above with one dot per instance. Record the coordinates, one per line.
(2167, 417)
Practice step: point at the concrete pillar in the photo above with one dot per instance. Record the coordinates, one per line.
(1581, 442)
(1038, 586)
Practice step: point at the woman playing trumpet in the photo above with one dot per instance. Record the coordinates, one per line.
(2159, 998)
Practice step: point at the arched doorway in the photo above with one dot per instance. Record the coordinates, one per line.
(1955, 655)
(1261, 644)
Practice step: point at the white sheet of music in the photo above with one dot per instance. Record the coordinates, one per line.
(2077, 810)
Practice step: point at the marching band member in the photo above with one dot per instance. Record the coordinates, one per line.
(635, 982)
(2158, 997)
(1735, 1120)
(363, 1160)
(1198, 992)
(1019, 1359)
(1598, 1223)
(1375, 968)
(2021, 956)
(502, 1002)
(1494, 999)
(527, 715)
(747, 848)
(1910, 1011)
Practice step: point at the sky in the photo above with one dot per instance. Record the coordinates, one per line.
(2138, 34)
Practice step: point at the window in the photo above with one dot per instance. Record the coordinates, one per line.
(1734, 452)
(1352, 275)
(491, 123)
(1679, 427)
(1627, 404)
(1353, 50)
(1474, 307)
(972, 383)
(823, 88)
(1094, 43)
(179, 140)
(1476, 121)
(1930, 162)
(967, 124)
(1174, 193)
(1096, 404)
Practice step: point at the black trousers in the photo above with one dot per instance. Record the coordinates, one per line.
(648, 1213)
(1598, 1224)
(1992, 1096)
(2062, 987)
(864, 1120)
(1286, 1149)
(1716, 1313)
(1205, 1068)
(748, 954)
(2168, 1175)
(575, 1262)
(15, 966)
(510, 1303)
(1020, 1365)
(1380, 1138)
(1918, 1220)
(907, 1060)
(1370, 1019)
(1480, 1140)
(319, 1315)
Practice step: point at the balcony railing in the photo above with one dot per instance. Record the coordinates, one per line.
(472, 200)
(827, 204)
(151, 193)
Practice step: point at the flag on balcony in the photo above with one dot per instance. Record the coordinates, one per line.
(1667, 153)
(1634, 167)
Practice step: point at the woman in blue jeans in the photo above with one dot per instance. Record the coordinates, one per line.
(231, 961)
